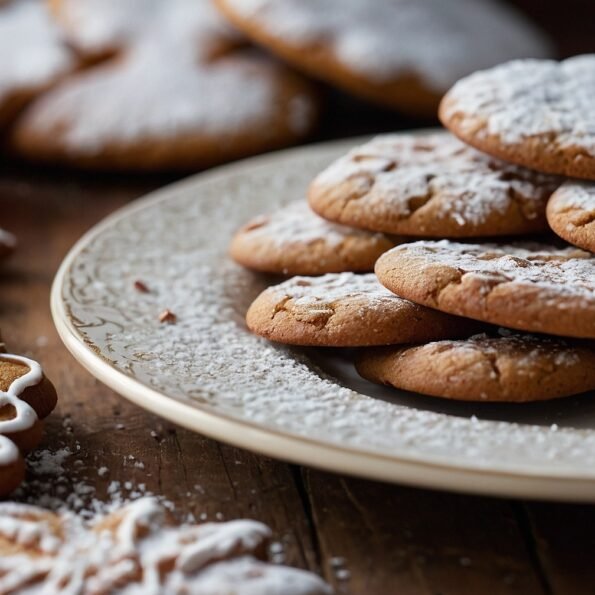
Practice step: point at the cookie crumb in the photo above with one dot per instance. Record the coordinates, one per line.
(167, 316)
(141, 286)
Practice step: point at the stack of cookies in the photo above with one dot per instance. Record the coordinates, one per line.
(481, 246)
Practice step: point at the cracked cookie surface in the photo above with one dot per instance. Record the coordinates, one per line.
(295, 241)
(346, 310)
(571, 213)
(507, 368)
(431, 186)
(527, 286)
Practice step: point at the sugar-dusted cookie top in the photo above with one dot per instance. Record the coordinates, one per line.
(537, 113)
(138, 549)
(533, 287)
(571, 213)
(431, 185)
(32, 54)
(345, 310)
(509, 367)
(295, 241)
(404, 53)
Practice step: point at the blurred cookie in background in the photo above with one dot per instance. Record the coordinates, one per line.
(404, 53)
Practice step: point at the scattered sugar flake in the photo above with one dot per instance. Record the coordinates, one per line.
(41, 341)
(102, 471)
(342, 574)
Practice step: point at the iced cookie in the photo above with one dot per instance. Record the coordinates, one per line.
(345, 310)
(431, 186)
(404, 53)
(181, 96)
(296, 241)
(511, 367)
(32, 54)
(138, 549)
(571, 213)
(539, 114)
(12, 466)
(532, 287)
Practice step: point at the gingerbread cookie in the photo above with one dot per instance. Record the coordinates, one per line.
(571, 213)
(403, 54)
(532, 287)
(32, 54)
(511, 367)
(345, 310)
(431, 186)
(180, 96)
(138, 549)
(296, 241)
(535, 113)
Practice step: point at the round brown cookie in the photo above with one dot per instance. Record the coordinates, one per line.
(179, 97)
(346, 310)
(431, 186)
(512, 368)
(12, 469)
(403, 54)
(296, 241)
(32, 55)
(537, 113)
(571, 213)
(533, 287)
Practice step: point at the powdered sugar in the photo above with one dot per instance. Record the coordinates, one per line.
(434, 40)
(575, 195)
(525, 99)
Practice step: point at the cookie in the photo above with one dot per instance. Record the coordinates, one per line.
(532, 287)
(508, 368)
(295, 241)
(345, 310)
(402, 54)
(535, 113)
(431, 186)
(139, 549)
(12, 466)
(32, 55)
(571, 213)
(182, 96)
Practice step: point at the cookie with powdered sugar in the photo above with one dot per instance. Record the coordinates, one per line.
(532, 286)
(537, 113)
(139, 549)
(571, 213)
(431, 186)
(511, 367)
(295, 241)
(403, 53)
(182, 92)
(346, 310)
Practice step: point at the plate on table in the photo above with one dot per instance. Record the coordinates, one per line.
(206, 372)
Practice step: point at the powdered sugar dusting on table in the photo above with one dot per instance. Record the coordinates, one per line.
(435, 40)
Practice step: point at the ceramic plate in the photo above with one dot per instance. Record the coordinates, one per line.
(207, 373)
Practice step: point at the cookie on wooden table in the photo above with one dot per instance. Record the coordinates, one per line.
(346, 310)
(12, 466)
(537, 113)
(295, 241)
(511, 367)
(571, 213)
(431, 186)
(404, 54)
(138, 548)
(528, 286)
(32, 54)
(182, 95)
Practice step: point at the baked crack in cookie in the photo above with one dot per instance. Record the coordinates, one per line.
(539, 114)
(183, 95)
(431, 186)
(511, 367)
(571, 213)
(26, 398)
(346, 310)
(295, 241)
(403, 53)
(138, 549)
(530, 286)
(32, 54)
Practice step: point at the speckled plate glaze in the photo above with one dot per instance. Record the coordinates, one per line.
(207, 373)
